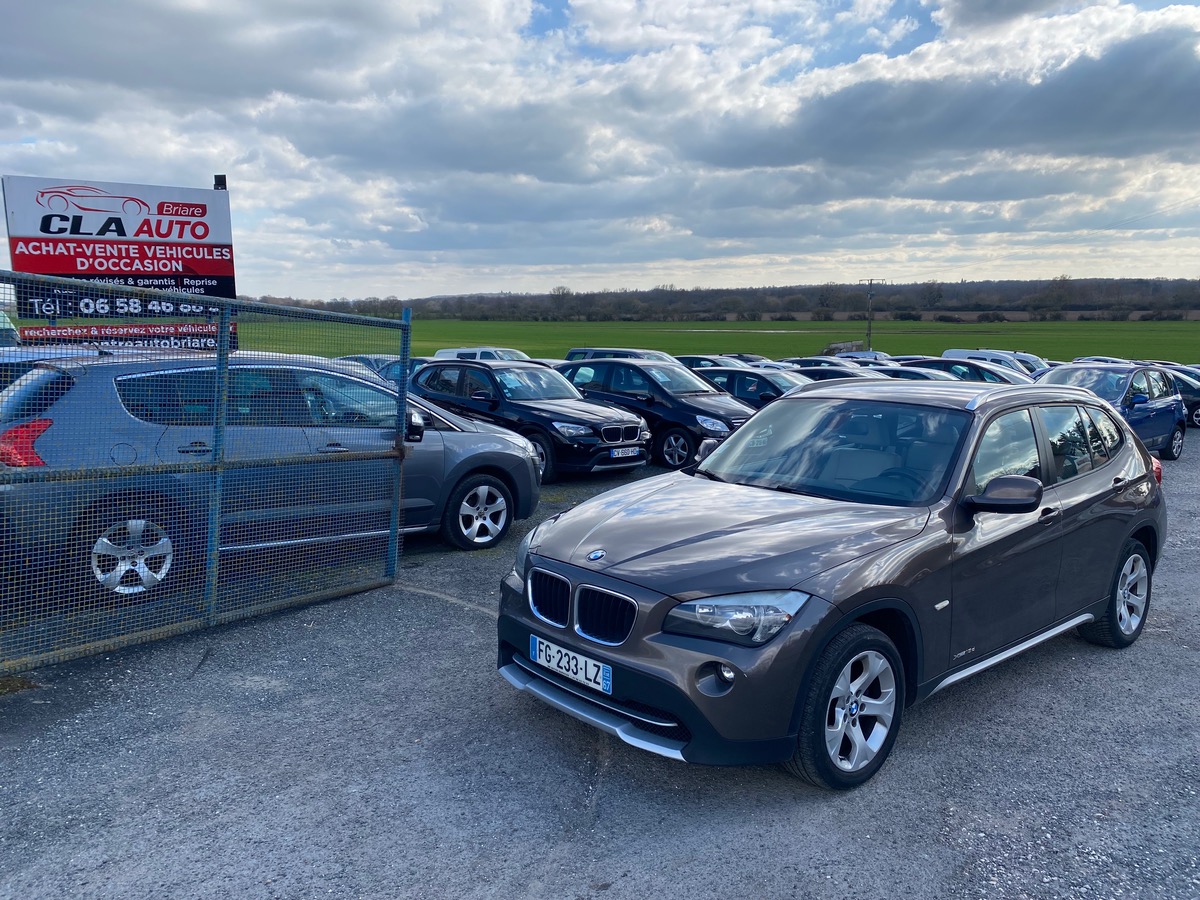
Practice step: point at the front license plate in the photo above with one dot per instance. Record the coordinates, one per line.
(623, 451)
(570, 664)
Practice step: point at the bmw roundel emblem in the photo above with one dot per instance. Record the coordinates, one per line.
(596, 555)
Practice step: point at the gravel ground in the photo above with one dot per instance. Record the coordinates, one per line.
(366, 747)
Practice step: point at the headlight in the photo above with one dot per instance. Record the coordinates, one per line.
(522, 559)
(522, 555)
(571, 430)
(716, 426)
(747, 619)
(526, 446)
(645, 429)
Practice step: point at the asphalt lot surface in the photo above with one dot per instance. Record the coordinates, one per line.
(366, 747)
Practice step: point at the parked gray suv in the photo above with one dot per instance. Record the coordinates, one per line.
(125, 537)
(848, 552)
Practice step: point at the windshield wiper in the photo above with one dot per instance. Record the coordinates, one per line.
(710, 476)
(789, 489)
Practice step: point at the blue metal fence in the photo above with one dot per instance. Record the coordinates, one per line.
(148, 488)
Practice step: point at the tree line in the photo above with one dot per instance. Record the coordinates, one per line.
(1044, 300)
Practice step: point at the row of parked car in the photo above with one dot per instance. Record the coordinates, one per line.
(678, 412)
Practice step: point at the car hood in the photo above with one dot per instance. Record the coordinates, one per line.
(578, 411)
(690, 537)
(717, 405)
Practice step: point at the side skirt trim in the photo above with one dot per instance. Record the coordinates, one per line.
(1011, 652)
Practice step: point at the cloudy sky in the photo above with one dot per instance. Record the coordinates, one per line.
(424, 147)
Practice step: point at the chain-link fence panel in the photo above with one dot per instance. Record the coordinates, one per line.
(168, 464)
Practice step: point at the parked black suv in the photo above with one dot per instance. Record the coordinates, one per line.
(682, 408)
(571, 434)
(848, 552)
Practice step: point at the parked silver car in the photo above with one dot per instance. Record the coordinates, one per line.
(110, 536)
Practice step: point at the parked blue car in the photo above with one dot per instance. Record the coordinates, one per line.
(1146, 396)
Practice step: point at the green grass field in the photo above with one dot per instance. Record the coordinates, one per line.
(1178, 341)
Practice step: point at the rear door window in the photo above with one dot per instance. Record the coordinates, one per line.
(1109, 431)
(1069, 441)
(170, 398)
(439, 379)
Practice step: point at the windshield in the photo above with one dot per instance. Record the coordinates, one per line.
(678, 379)
(510, 354)
(865, 452)
(538, 383)
(1106, 383)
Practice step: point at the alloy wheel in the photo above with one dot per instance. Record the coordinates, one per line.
(132, 556)
(483, 514)
(1133, 587)
(861, 707)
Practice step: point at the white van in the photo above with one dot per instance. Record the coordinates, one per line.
(479, 353)
(996, 357)
(1031, 361)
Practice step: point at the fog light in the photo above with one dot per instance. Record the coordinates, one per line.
(726, 673)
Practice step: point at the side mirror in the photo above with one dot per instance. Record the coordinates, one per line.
(707, 446)
(1138, 399)
(648, 399)
(1007, 494)
(483, 396)
(768, 396)
(414, 429)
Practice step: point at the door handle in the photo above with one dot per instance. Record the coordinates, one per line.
(334, 448)
(1048, 516)
(194, 448)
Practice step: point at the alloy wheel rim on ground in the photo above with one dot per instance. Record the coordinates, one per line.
(483, 514)
(861, 708)
(1177, 442)
(1132, 586)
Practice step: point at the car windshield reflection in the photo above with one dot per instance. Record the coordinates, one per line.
(538, 383)
(677, 380)
(880, 452)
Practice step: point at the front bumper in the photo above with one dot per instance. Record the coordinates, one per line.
(666, 698)
(591, 457)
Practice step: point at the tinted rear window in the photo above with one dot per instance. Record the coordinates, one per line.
(33, 393)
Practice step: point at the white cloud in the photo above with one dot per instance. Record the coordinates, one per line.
(436, 147)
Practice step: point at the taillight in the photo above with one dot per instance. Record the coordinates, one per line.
(16, 444)
(1157, 467)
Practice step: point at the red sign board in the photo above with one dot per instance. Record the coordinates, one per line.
(145, 236)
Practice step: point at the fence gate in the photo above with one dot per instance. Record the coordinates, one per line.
(168, 465)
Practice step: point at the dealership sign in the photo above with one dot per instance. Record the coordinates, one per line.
(172, 336)
(142, 236)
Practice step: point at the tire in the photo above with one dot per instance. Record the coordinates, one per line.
(1194, 416)
(478, 513)
(128, 555)
(675, 448)
(1128, 601)
(545, 451)
(1174, 447)
(841, 744)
